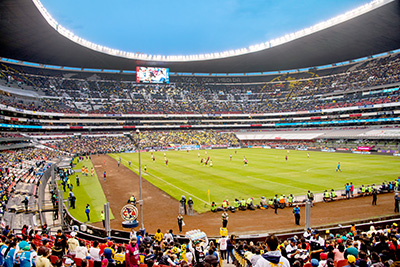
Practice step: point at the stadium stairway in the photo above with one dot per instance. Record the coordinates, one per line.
(54, 225)
(225, 264)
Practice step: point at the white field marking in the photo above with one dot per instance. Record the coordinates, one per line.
(186, 192)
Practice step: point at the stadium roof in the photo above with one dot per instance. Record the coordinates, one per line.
(27, 35)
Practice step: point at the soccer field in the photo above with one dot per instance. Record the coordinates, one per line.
(89, 192)
(267, 173)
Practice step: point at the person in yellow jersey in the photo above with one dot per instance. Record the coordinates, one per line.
(158, 236)
(119, 257)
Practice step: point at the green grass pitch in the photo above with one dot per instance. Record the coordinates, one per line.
(89, 191)
(267, 173)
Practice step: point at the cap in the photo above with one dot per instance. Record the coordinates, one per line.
(315, 232)
(134, 238)
(110, 243)
(104, 262)
(314, 262)
(68, 261)
(352, 251)
(27, 248)
(323, 256)
(351, 258)
(73, 233)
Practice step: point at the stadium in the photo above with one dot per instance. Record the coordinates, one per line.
(308, 120)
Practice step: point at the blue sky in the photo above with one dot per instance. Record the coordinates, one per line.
(183, 27)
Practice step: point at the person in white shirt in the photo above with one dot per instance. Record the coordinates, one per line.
(169, 237)
(81, 251)
(94, 253)
(73, 244)
(223, 244)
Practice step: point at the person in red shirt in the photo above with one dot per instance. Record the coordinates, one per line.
(132, 253)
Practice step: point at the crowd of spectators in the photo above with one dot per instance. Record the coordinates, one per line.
(148, 140)
(315, 248)
(285, 92)
(375, 247)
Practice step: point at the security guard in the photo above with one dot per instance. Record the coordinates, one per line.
(290, 200)
(213, 207)
(236, 204)
(132, 200)
(326, 195)
(333, 194)
(225, 205)
(243, 204)
(362, 190)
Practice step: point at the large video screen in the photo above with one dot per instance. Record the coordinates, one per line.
(152, 75)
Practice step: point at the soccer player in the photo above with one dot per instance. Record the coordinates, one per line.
(245, 161)
(230, 156)
(129, 163)
(338, 167)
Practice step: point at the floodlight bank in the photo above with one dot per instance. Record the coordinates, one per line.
(211, 56)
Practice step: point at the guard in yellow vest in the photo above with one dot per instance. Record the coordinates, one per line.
(213, 207)
(333, 194)
(225, 205)
(362, 190)
(290, 200)
(132, 200)
(326, 196)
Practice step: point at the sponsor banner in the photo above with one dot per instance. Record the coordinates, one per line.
(280, 147)
(302, 148)
(266, 147)
(396, 154)
(217, 146)
(20, 126)
(361, 152)
(342, 149)
(328, 150)
(368, 148)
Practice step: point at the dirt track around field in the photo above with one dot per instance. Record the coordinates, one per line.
(161, 210)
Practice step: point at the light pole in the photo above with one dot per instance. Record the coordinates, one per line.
(140, 182)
